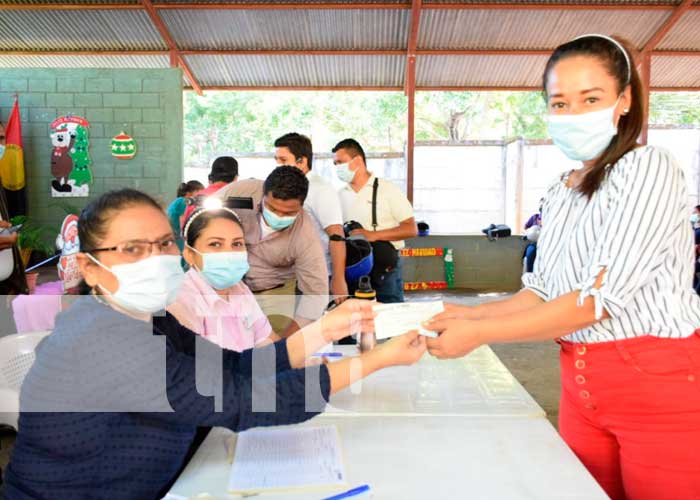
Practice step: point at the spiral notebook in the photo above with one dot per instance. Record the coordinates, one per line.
(287, 459)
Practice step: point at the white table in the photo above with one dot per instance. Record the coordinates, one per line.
(411, 458)
(478, 385)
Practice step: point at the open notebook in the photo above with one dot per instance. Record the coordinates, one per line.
(287, 459)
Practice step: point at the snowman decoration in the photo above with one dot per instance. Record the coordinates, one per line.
(69, 244)
(70, 159)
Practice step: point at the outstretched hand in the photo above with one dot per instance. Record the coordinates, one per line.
(457, 337)
(404, 349)
(352, 316)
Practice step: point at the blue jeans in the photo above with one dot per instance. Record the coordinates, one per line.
(390, 290)
(530, 254)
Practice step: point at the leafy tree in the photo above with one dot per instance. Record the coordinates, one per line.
(250, 121)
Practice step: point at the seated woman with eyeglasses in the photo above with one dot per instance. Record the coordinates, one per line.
(116, 393)
(214, 302)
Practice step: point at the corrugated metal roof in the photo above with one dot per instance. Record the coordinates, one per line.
(675, 71)
(78, 29)
(345, 29)
(124, 61)
(531, 29)
(293, 29)
(480, 71)
(685, 35)
(283, 71)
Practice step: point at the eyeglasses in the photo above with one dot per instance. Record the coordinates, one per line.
(135, 250)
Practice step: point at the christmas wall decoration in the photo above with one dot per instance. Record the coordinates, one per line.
(69, 244)
(70, 158)
(123, 147)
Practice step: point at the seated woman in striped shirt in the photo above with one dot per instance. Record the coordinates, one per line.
(612, 282)
(213, 301)
(117, 391)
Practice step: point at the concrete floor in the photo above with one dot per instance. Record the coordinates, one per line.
(535, 365)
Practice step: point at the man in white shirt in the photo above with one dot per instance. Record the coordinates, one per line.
(394, 216)
(322, 203)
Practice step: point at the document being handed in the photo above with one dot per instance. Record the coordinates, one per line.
(397, 319)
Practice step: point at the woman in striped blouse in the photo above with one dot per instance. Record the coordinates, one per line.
(611, 282)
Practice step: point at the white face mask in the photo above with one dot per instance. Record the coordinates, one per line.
(583, 137)
(344, 173)
(146, 286)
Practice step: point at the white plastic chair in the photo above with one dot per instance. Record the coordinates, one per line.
(16, 358)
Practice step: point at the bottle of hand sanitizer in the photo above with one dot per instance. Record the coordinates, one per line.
(366, 341)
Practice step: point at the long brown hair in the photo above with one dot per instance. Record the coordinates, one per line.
(630, 125)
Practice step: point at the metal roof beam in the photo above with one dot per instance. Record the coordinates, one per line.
(677, 13)
(322, 52)
(356, 88)
(339, 6)
(175, 56)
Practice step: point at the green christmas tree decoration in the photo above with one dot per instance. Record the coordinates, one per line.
(81, 172)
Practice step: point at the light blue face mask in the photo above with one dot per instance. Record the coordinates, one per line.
(277, 222)
(694, 218)
(2, 151)
(344, 173)
(223, 269)
(583, 137)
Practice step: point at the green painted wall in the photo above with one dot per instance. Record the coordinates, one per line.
(480, 265)
(145, 103)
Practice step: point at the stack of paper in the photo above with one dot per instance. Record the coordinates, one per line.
(397, 319)
(287, 459)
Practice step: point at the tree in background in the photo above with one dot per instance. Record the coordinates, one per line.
(675, 108)
(251, 121)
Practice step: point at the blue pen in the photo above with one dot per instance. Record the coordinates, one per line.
(328, 354)
(350, 493)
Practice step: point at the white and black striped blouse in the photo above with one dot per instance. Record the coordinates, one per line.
(636, 227)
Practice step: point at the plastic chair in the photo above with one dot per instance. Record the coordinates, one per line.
(16, 358)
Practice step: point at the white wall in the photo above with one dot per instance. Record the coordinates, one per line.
(459, 189)
(462, 189)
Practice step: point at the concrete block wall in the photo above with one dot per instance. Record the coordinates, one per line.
(144, 103)
(480, 265)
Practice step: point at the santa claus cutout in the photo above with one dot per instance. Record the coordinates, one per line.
(69, 244)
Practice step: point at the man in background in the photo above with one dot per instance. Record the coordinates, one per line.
(394, 221)
(322, 203)
(284, 250)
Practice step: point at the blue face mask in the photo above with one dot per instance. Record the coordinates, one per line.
(223, 269)
(2, 151)
(583, 137)
(277, 222)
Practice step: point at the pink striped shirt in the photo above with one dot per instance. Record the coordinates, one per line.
(236, 323)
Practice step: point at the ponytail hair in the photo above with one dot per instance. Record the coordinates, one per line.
(189, 187)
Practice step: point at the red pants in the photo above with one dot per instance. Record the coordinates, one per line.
(630, 410)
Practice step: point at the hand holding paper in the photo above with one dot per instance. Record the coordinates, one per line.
(352, 316)
(458, 337)
(397, 319)
(403, 350)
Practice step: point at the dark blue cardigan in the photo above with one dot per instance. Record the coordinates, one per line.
(111, 405)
